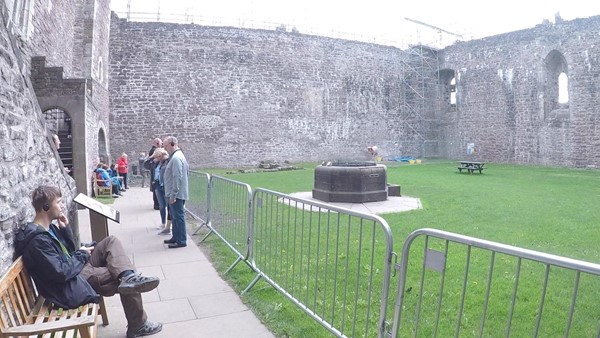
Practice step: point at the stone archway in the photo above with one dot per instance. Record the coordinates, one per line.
(59, 122)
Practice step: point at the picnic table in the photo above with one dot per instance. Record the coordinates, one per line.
(470, 166)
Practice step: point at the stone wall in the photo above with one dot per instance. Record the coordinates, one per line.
(506, 102)
(234, 97)
(72, 38)
(28, 158)
(55, 24)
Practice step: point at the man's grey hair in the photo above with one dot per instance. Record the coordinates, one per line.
(172, 139)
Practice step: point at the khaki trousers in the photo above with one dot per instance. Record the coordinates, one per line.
(102, 271)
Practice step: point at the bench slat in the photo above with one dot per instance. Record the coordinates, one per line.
(22, 299)
(20, 314)
(51, 326)
(11, 315)
(28, 293)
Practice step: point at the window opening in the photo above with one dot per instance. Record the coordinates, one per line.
(453, 92)
(563, 86)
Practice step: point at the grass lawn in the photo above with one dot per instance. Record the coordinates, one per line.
(553, 210)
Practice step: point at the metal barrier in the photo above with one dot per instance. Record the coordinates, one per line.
(334, 263)
(199, 203)
(464, 286)
(230, 208)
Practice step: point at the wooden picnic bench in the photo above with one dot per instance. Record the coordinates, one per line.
(470, 166)
(23, 312)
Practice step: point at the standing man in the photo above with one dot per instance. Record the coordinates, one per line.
(156, 143)
(176, 191)
(56, 140)
(71, 277)
(141, 170)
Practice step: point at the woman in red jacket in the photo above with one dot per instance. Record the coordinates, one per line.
(122, 169)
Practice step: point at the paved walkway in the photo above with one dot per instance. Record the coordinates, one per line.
(191, 300)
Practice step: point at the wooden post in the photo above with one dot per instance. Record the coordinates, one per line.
(98, 226)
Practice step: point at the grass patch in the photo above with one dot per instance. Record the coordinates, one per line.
(547, 209)
(105, 199)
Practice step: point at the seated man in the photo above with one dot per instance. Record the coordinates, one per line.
(114, 177)
(102, 175)
(70, 277)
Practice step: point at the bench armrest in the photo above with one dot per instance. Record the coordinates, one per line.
(102, 183)
(59, 325)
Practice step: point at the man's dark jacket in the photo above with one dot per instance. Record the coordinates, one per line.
(149, 165)
(56, 276)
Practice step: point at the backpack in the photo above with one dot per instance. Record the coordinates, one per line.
(148, 163)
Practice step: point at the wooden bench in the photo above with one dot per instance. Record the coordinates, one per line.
(23, 312)
(100, 188)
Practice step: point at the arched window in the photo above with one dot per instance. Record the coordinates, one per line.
(100, 70)
(19, 17)
(58, 122)
(447, 82)
(453, 92)
(556, 86)
(563, 88)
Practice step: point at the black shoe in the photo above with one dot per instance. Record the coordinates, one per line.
(156, 207)
(177, 245)
(137, 283)
(170, 241)
(148, 328)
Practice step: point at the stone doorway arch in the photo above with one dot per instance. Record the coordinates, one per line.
(102, 148)
(59, 122)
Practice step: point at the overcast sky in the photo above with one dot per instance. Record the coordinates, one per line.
(378, 20)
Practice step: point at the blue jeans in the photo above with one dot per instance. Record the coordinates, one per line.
(177, 211)
(162, 202)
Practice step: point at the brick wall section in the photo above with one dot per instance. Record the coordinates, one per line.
(235, 97)
(502, 91)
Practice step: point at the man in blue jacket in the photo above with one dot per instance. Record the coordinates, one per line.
(70, 277)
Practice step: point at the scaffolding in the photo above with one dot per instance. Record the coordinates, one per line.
(421, 96)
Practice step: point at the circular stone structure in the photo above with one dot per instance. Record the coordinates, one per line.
(350, 182)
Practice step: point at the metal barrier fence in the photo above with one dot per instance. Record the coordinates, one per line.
(332, 262)
(230, 204)
(335, 264)
(464, 286)
(199, 203)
